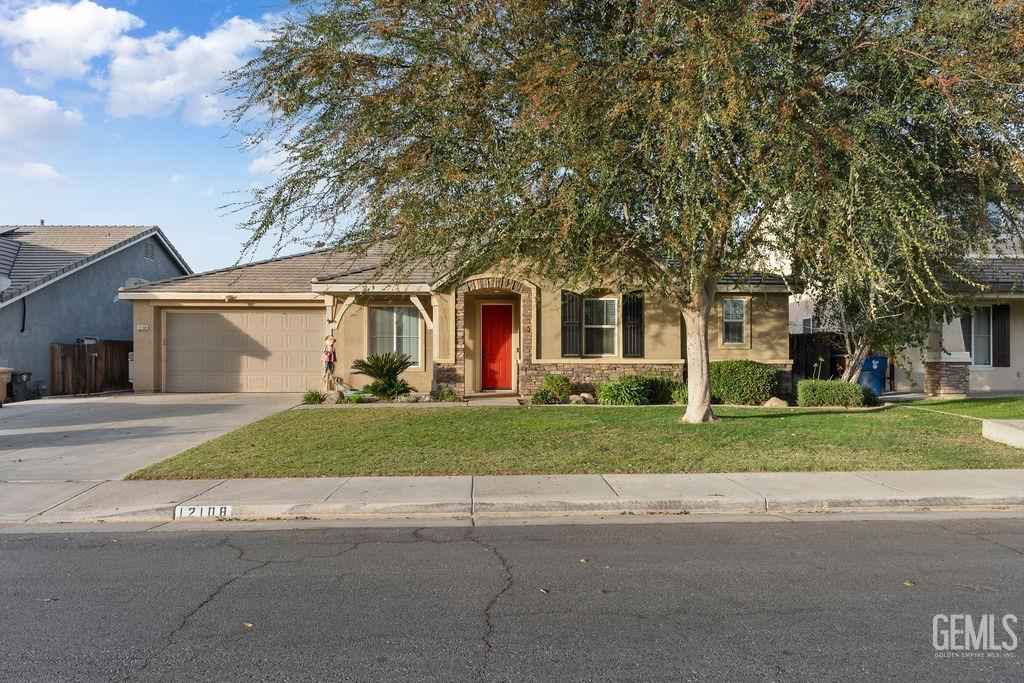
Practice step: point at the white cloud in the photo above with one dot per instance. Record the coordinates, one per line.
(166, 72)
(178, 179)
(27, 118)
(269, 161)
(60, 40)
(32, 170)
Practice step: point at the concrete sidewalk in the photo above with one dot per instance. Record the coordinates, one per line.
(479, 497)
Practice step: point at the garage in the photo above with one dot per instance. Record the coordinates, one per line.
(269, 350)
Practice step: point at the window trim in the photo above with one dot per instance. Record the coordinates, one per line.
(614, 327)
(418, 360)
(974, 343)
(745, 343)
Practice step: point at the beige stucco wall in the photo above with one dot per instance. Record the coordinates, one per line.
(768, 325)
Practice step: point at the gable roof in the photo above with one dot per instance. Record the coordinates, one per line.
(1004, 275)
(34, 256)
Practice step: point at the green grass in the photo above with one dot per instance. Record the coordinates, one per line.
(986, 408)
(553, 439)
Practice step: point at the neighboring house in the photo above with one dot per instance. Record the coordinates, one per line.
(260, 327)
(984, 349)
(63, 283)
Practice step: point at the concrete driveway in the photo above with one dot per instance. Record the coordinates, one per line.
(91, 439)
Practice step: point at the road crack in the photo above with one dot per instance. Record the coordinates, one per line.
(488, 614)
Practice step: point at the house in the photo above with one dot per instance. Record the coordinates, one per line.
(983, 350)
(260, 327)
(58, 283)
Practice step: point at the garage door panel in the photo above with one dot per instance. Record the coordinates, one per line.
(254, 351)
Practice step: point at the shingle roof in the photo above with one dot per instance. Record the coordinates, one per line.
(1000, 275)
(287, 275)
(755, 279)
(35, 255)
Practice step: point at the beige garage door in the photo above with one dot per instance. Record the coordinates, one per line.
(272, 350)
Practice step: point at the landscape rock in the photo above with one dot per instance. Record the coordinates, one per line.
(587, 398)
(775, 402)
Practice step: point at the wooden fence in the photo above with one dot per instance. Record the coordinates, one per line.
(89, 368)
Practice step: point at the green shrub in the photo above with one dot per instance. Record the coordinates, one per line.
(388, 388)
(636, 390)
(448, 395)
(559, 385)
(679, 395)
(743, 382)
(833, 392)
(351, 398)
(314, 397)
(383, 366)
(545, 396)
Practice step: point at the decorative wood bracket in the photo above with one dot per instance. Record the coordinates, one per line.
(336, 310)
(426, 317)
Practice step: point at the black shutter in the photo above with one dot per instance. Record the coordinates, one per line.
(572, 320)
(633, 325)
(966, 327)
(1001, 336)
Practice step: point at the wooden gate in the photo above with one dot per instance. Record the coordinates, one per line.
(89, 368)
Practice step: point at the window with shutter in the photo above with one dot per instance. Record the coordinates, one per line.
(1001, 336)
(633, 325)
(572, 321)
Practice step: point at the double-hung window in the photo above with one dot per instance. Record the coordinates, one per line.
(981, 336)
(395, 329)
(599, 317)
(734, 317)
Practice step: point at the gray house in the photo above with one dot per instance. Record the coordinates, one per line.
(58, 283)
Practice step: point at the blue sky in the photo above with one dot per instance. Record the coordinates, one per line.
(109, 115)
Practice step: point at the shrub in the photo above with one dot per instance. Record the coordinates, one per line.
(383, 366)
(545, 396)
(743, 382)
(448, 395)
(314, 397)
(833, 392)
(636, 390)
(351, 398)
(388, 388)
(679, 395)
(559, 385)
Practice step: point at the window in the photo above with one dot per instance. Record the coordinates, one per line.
(981, 342)
(733, 320)
(599, 327)
(807, 325)
(395, 329)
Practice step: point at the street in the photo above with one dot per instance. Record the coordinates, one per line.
(851, 600)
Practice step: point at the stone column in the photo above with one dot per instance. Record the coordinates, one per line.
(5, 379)
(947, 364)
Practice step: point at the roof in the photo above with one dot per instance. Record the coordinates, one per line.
(754, 279)
(1000, 275)
(34, 256)
(286, 275)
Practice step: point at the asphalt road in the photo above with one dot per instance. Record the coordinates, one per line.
(769, 601)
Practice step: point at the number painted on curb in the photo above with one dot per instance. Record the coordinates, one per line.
(188, 511)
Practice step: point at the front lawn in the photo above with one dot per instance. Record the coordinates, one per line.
(986, 408)
(569, 439)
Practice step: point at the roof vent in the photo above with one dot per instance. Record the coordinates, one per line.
(42, 222)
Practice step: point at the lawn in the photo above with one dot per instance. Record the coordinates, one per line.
(571, 439)
(985, 408)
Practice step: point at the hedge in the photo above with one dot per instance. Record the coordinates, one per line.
(833, 392)
(636, 390)
(743, 382)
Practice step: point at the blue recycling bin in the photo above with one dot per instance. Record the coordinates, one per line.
(872, 375)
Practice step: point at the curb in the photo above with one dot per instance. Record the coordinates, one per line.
(492, 509)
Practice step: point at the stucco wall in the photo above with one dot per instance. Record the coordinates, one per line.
(664, 332)
(353, 340)
(80, 305)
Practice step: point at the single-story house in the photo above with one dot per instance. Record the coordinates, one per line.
(984, 349)
(260, 327)
(59, 283)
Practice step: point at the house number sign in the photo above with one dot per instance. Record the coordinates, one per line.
(191, 511)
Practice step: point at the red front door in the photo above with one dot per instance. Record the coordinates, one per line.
(496, 349)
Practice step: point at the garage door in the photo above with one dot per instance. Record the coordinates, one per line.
(272, 350)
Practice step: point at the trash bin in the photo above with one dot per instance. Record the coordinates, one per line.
(872, 375)
(19, 386)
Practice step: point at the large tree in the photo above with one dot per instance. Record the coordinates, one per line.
(653, 144)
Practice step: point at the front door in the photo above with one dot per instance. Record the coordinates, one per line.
(496, 349)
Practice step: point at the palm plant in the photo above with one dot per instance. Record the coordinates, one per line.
(383, 366)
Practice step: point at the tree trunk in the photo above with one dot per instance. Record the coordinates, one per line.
(857, 357)
(696, 315)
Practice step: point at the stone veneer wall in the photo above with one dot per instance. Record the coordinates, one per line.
(946, 378)
(586, 376)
